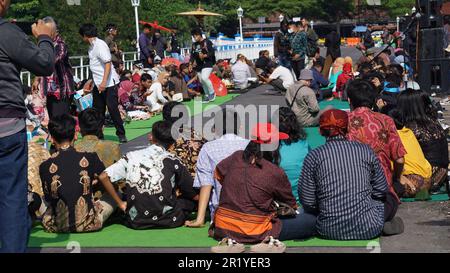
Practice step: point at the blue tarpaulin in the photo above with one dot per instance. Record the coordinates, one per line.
(360, 29)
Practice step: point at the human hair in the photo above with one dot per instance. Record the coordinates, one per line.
(196, 32)
(88, 30)
(168, 109)
(146, 77)
(397, 118)
(361, 94)
(290, 126)
(90, 122)
(51, 20)
(318, 63)
(254, 151)
(413, 107)
(271, 66)
(162, 134)
(230, 121)
(62, 128)
(147, 26)
(110, 27)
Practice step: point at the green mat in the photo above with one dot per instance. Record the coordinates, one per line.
(136, 129)
(314, 138)
(434, 198)
(116, 236)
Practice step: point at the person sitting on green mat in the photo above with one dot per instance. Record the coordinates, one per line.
(417, 171)
(293, 150)
(159, 188)
(68, 178)
(211, 154)
(343, 183)
(188, 143)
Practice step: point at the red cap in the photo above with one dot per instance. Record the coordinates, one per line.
(267, 133)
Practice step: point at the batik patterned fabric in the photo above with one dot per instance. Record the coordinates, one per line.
(159, 188)
(107, 151)
(379, 132)
(68, 178)
(187, 148)
(37, 154)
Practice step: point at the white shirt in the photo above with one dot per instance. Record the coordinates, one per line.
(284, 74)
(99, 56)
(241, 73)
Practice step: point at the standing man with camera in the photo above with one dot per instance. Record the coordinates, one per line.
(105, 77)
(17, 52)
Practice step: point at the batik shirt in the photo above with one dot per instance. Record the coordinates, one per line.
(67, 179)
(187, 148)
(299, 43)
(37, 154)
(379, 132)
(153, 177)
(107, 151)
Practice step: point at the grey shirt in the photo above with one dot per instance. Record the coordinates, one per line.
(304, 105)
(11, 126)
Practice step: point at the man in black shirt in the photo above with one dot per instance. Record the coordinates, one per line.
(175, 49)
(203, 60)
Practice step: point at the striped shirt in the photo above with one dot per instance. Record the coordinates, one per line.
(344, 182)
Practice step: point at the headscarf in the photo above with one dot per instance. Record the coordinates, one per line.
(335, 121)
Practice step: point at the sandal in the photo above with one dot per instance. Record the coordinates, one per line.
(228, 246)
(269, 245)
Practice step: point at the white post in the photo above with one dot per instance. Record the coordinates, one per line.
(135, 4)
(240, 26)
(137, 27)
(398, 24)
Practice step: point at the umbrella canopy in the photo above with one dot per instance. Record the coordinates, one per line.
(199, 12)
(155, 26)
(360, 29)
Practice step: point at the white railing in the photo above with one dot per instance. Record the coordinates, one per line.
(225, 49)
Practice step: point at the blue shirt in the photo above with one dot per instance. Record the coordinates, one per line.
(211, 154)
(292, 157)
(344, 182)
(318, 81)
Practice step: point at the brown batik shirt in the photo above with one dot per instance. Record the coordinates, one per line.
(67, 180)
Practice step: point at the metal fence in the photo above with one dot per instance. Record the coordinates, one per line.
(224, 50)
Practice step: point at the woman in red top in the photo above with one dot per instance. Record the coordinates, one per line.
(347, 74)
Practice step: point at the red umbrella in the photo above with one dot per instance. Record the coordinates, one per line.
(170, 61)
(155, 26)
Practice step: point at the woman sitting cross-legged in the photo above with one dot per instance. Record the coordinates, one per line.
(252, 188)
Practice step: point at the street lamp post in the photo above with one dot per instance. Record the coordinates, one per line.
(281, 17)
(398, 24)
(136, 4)
(312, 24)
(240, 13)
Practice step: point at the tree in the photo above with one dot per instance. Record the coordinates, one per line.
(333, 11)
(398, 7)
(24, 10)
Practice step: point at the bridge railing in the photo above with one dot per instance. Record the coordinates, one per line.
(224, 50)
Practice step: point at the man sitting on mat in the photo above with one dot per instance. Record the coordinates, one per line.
(68, 178)
(158, 186)
(350, 203)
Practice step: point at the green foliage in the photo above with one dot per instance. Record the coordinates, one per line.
(398, 7)
(24, 10)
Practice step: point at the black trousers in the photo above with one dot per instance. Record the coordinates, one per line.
(390, 207)
(56, 107)
(109, 98)
(278, 85)
(298, 66)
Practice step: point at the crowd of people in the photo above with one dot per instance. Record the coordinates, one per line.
(389, 145)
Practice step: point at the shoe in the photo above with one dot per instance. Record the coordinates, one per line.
(212, 98)
(394, 227)
(269, 245)
(228, 246)
(123, 139)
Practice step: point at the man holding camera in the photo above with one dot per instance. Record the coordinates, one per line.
(17, 52)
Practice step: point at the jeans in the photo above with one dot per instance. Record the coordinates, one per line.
(109, 98)
(301, 227)
(285, 61)
(15, 222)
(207, 85)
